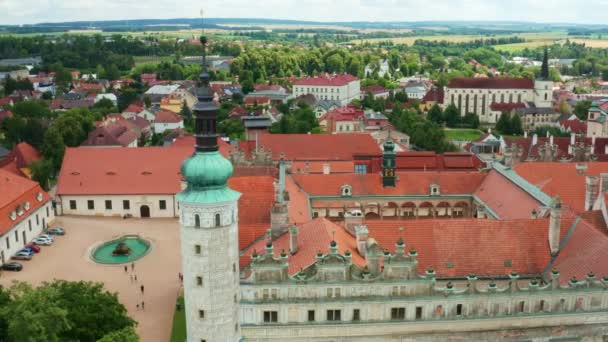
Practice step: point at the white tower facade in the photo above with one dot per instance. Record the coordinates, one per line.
(543, 93)
(209, 231)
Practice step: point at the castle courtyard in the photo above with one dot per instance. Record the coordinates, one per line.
(69, 259)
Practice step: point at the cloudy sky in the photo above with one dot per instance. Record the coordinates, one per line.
(578, 11)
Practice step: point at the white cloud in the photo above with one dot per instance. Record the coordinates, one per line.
(34, 11)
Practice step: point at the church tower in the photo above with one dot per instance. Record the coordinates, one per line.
(543, 86)
(209, 230)
(388, 163)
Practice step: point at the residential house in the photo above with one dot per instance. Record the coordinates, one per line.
(146, 79)
(158, 92)
(382, 67)
(348, 119)
(376, 91)
(416, 90)
(166, 120)
(20, 158)
(112, 135)
(340, 87)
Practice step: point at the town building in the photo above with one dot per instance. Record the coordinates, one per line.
(166, 120)
(18, 161)
(25, 211)
(478, 95)
(337, 87)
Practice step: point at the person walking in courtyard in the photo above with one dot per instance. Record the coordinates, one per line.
(142, 305)
(126, 270)
(142, 289)
(132, 266)
(137, 307)
(135, 277)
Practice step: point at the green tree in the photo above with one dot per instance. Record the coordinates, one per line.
(35, 315)
(5, 301)
(124, 335)
(451, 116)
(185, 112)
(232, 128)
(503, 125)
(516, 125)
(126, 97)
(41, 172)
(53, 147)
(471, 120)
(581, 109)
(435, 114)
(112, 73)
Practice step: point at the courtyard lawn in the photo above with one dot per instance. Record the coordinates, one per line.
(178, 334)
(462, 134)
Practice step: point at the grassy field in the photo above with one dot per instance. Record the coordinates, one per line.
(178, 333)
(462, 134)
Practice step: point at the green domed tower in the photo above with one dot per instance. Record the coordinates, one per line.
(209, 230)
(388, 163)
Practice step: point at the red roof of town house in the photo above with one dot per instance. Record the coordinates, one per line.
(411, 183)
(426, 161)
(6, 101)
(238, 112)
(257, 100)
(167, 116)
(327, 80)
(346, 166)
(16, 191)
(575, 126)
(506, 107)
(313, 236)
(506, 199)
(20, 157)
(374, 89)
(492, 83)
(562, 143)
(87, 87)
(269, 87)
(113, 134)
(133, 108)
(316, 146)
(561, 179)
(345, 113)
(458, 247)
(435, 94)
(5, 114)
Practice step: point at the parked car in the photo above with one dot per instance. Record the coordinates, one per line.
(33, 247)
(12, 266)
(42, 242)
(56, 231)
(22, 256)
(28, 251)
(46, 237)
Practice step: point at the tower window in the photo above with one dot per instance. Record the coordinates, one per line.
(197, 221)
(199, 281)
(397, 314)
(217, 220)
(201, 314)
(459, 309)
(419, 312)
(521, 307)
(311, 315)
(356, 315)
(197, 249)
(271, 316)
(334, 315)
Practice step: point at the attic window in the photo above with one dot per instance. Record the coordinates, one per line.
(111, 173)
(146, 173)
(75, 173)
(26, 205)
(435, 190)
(346, 190)
(449, 264)
(508, 263)
(39, 197)
(13, 215)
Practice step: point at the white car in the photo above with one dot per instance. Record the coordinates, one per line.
(46, 237)
(42, 242)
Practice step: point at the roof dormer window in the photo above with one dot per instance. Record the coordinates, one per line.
(13, 215)
(346, 190)
(435, 190)
(39, 197)
(26, 205)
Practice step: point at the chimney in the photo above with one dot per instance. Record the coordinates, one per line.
(606, 149)
(373, 256)
(555, 224)
(361, 234)
(581, 169)
(548, 134)
(593, 142)
(551, 140)
(572, 139)
(293, 240)
(591, 191)
(534, 139)
(525, 134)
(279, 214)
(326, 169)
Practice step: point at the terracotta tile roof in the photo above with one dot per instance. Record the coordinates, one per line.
(346, 113)
(457, 247)
(505, 107)
(435, 94)
(167, 116)
(584, 251)
(411, 183)
(268, 87)
(256, 100)
(299, 210)
(189, 141)
(113, 134)
(596, 218)
(326, 80)
(88, 171)
(16, 191)
(6, 101)
(492, 83)
(25, 154)
(506, 199)
(346, 166)
(237, 112)
(574, 126)
(318, 146)
(561, 179)
(313, 236)
(562, 144)
(133, 108)
(374, 89)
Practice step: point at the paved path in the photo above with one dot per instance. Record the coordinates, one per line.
(68, 259)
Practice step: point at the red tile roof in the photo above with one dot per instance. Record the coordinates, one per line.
(317, 166)
(298, 206)
(506, 199)
(268, 87)
(561, 179)
(237, 112)
(6, 101)
(435, 94)
(167, 116)
(20, 157)
(133, 108)
(574, 126)
(16, 191)
(326, 80)
(254, 206)
(492, 83)
(374, 89)
(479, 246)
(318, 146)
(505, 107)
(428, 161)
(313, 236)
(411, 183)
(562, 146)
(257, 100)
(114, 134)
(101, 171)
